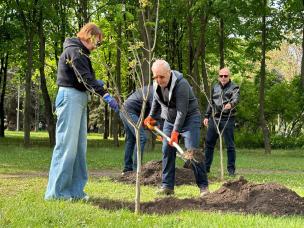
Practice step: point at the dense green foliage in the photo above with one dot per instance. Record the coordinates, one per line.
(188, 37)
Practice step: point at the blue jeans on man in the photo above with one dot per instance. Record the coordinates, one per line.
(211, 138)
(191, 135)
(68, 170)
(130, 142)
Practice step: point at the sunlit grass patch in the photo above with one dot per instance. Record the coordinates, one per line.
(22, 203)
(28, 209)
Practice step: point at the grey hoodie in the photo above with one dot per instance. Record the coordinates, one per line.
(182, 103)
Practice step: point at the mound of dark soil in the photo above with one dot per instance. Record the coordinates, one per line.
(234, 196)
(269, 198)
(151, 175)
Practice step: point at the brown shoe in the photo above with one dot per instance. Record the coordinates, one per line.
(165, 191)
(204, 191)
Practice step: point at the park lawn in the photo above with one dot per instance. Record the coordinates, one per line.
(281, 166)
(40, 138)
(22, 204)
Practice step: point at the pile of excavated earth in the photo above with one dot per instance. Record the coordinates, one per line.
(151, 175)
(233, 196)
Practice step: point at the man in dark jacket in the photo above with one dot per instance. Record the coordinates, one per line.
(221, 112)
(75, 77)
(133, 106)
(179, 108)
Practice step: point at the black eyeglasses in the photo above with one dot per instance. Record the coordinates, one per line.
(98, 44)
(225, 76)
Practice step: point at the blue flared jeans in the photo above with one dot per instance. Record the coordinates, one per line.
(68, 171)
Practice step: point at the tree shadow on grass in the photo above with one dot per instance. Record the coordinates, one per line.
(165, 205)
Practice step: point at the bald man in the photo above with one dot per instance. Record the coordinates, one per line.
(225, 96)
(179, 108)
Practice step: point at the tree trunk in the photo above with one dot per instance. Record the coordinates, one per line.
(18, 109)
(28, 83)
(174, 41)
(106, 110)
(204, 68)
(221, 156)
(145, 33)
(221, 43)
(29, 22)
(146, 37)
(263, 122)
(191, 38)
(118, 81)
(37, 106)
(106, 123)
(88, 117)
(302, 61)
(138, 171)
(201, 52)
(3, 71)
(82, 13)
(180, 58)
(177, 47)
(63, 27)
(49, 117)
(111, 123)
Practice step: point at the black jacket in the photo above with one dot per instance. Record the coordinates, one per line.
(182, 103)
(75, 61)
(221, 95)
(134, 102)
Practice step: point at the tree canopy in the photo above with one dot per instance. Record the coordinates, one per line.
(260, 41)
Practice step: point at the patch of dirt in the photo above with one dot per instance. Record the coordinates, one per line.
(233, 196)
(23, 175)
(165, 205)
(268, 198)
(151, 174)
(92, 174)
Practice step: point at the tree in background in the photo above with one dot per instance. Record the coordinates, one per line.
(293, 19)
(193, 36)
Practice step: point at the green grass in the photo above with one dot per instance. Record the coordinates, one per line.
(41, 139)
(22, 204)
(15, 159)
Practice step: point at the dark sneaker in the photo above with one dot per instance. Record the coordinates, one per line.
(125, 171)
(165, 191)
(204, 191)
(231, 173)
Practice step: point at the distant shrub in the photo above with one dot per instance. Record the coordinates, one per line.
(244, 139)
(281, 142)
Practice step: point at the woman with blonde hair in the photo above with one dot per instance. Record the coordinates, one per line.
(75, 77)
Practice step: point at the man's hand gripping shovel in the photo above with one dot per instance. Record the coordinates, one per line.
(194, 155)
